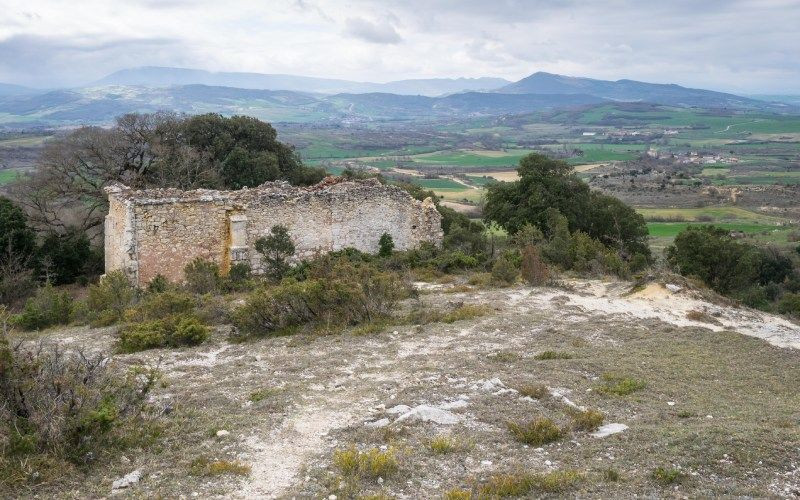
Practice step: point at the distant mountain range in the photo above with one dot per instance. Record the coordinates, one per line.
(626, 90)
(157, 76)
(287, 98)
(7, 89)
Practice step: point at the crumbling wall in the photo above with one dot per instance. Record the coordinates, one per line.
(166, 229)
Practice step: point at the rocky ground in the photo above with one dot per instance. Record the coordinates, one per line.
(717, 401)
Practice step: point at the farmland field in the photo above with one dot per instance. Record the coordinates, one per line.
(714, 213)
(472, 158)
(441, 184)
(8, 176)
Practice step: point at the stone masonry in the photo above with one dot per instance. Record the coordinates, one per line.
(159, 231)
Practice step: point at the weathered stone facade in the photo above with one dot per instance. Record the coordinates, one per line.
(159, 231)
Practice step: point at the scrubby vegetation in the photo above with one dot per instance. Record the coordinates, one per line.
(62, 409)
(761, 277)
(335, 290)
(48, 307)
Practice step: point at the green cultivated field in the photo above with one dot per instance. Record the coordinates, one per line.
(8, 176)
(441, 184)
(671, 229)
(715, 213)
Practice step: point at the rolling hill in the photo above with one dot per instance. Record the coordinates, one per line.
(628, 90)
(156, 76)
(300, 99)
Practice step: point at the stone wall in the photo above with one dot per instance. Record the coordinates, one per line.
(159, 231)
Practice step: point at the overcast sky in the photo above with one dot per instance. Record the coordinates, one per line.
(745, 46)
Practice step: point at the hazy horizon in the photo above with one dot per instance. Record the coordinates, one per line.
(741, 46)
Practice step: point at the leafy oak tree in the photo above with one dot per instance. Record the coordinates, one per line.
(546, 183)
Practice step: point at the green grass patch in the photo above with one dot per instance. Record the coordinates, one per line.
(441, 184)
(620, 385)
(9, 175)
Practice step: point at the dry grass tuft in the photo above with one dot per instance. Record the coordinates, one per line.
(457, 494)
(702, 317)
(536, 432)
(588, 420)
(535, 391)
(372, 463)
(204, 467)
(515, 485)
(548, 355)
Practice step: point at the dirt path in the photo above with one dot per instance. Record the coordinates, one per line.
(277, 458)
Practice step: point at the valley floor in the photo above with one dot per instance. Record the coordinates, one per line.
(717, 400)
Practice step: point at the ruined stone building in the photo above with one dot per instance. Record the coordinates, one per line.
(159, 231)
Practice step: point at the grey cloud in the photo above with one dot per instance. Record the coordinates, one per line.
(68, 61)
(368, 31)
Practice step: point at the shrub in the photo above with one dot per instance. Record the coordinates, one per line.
(188, 331)
(727, 265)
(202, 276)
(16, 278)
(504, 271)
(372, 463)
(536, 432)
(173, 331)
(789, 304)
(239, 277)
(66, 405)
(155, 306)
(533, 268)
(159, 284)
(336, 292)
(68, 257)
(17, 239)
(588, 420)
(276, 249)
(212, 310)
(385, 245)
(48, 307)
(143, 336)
(667, 476)
(454, 261)
(109, 298)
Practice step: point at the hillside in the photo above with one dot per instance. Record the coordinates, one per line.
(154, 76)
(297, 99)
(100, 105)
(434, 402)
(628, 90)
